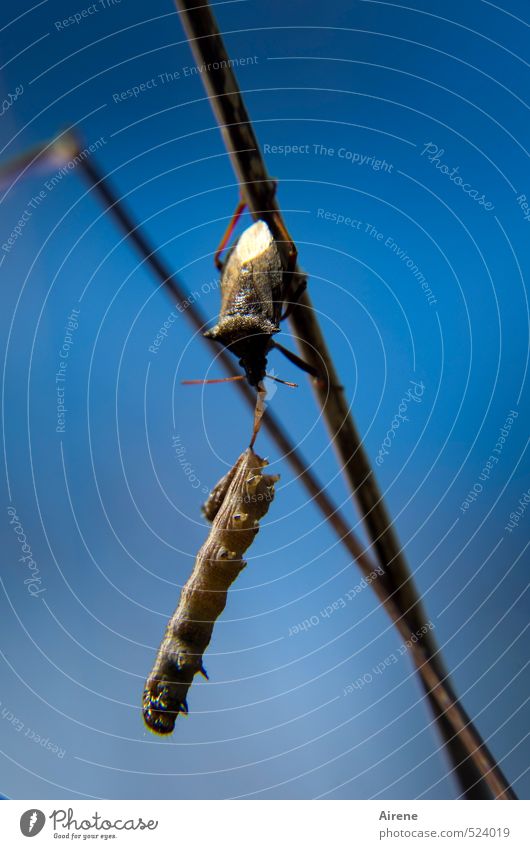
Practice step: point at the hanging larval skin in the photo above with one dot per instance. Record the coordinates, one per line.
(235, 507)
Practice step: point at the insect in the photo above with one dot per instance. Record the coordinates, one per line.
(235, 507)
(252, 283)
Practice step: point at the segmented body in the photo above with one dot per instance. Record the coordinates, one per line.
(235, 507)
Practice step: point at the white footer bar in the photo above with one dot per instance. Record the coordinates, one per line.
(267, 824)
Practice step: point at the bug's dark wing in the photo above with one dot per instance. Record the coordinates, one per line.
(252, 279)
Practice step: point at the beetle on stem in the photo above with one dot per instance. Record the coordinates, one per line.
(252, 283)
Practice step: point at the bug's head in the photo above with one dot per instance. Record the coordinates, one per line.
(252, 353)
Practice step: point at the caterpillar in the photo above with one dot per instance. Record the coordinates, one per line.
(235, 506)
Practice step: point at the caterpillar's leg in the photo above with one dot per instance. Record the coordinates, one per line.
(228, 233)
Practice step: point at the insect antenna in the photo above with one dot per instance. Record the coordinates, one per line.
(214, 380)
(279, 380)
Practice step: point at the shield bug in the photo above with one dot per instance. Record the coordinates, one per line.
(252, 283)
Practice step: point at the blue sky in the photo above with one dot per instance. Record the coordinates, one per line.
(113, 521)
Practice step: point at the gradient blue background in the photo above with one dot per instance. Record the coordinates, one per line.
(112, 519)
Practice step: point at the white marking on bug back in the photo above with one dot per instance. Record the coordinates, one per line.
(253, 242)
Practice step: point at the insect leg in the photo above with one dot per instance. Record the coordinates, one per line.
(285, 237)
(228, 232)
(297, 361)
(294, 300)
